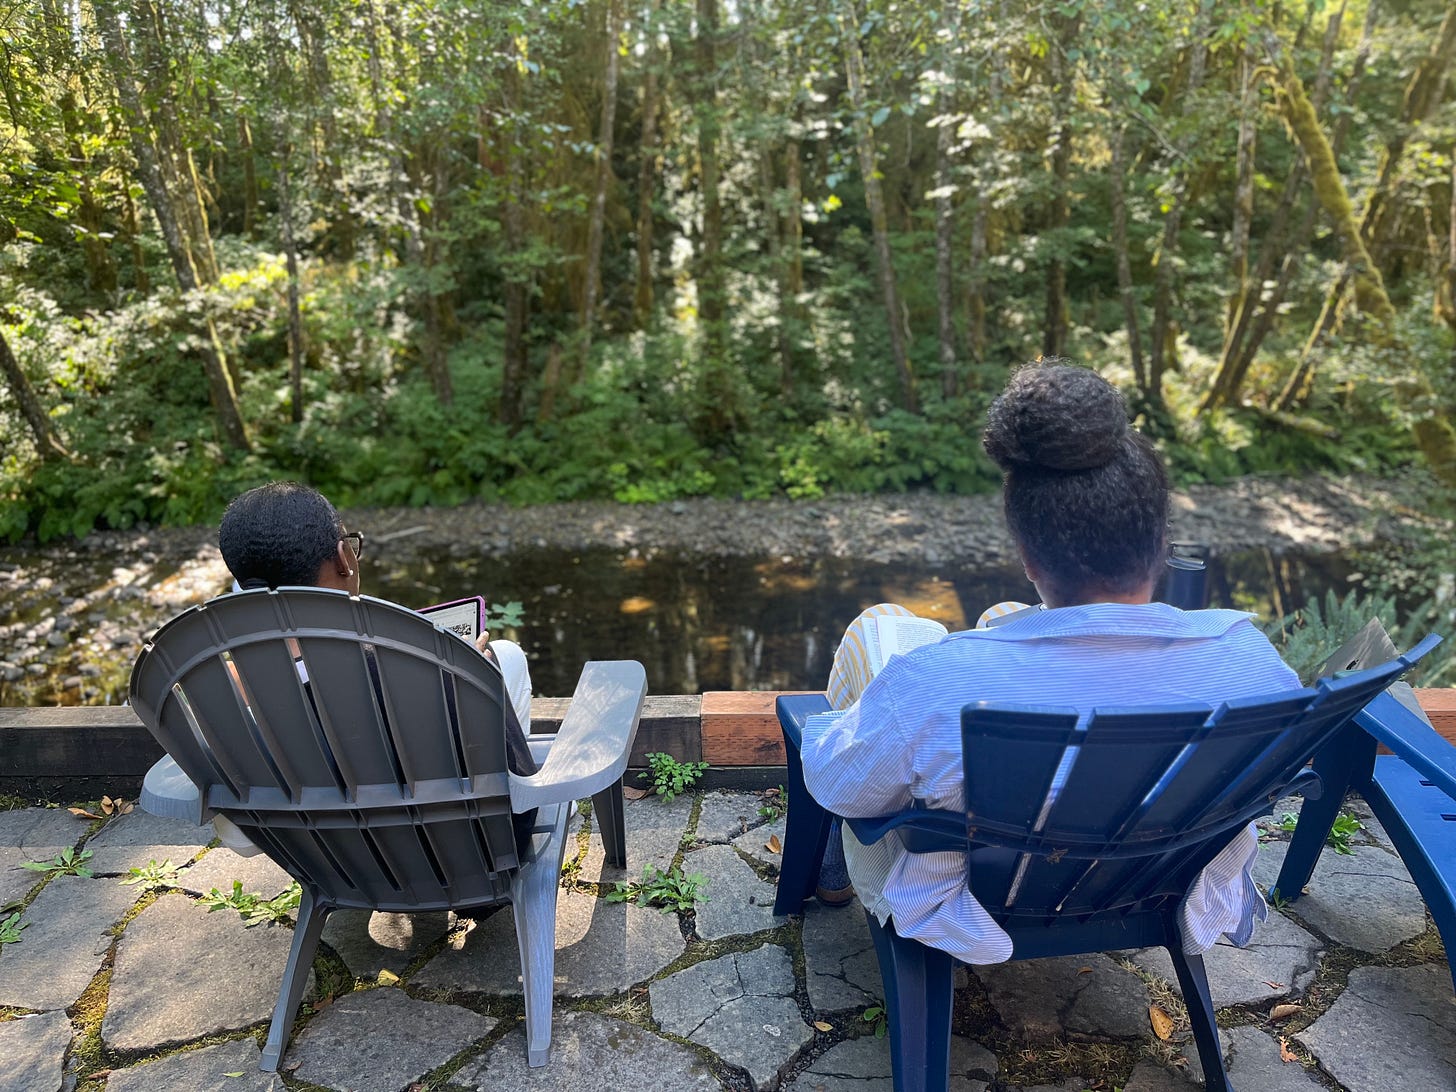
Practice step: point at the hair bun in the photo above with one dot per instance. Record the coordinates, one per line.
(1056, 416)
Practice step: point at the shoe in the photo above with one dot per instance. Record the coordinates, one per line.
(834, 887)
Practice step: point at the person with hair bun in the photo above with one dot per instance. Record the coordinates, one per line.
(1086, 500)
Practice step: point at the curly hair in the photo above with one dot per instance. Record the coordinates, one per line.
(1086, 495)
(278, 535)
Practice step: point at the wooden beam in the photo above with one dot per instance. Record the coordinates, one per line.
(1439, 705)
(109, 740)
(727, 729)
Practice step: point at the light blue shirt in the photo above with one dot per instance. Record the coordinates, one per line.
(901, 743)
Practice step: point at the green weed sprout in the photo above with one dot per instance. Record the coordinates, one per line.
(670, 777)
(10, 929)
(65, 863)
(253, 907)
(1345, 827)
(152, 876)
(668, 891)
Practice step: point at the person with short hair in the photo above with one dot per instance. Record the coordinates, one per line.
(1087, 503)
(286, 534)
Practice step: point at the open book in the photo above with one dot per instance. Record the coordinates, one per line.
(894, 634)
(890, 635)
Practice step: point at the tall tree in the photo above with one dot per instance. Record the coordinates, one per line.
(1162, 346)
(944, 218)
(642, 299)
(1285, 241)
(47, 443)
(603, 174)
(862, 125)
(1433, 429)
(169, 178)
(1421, 95)
(1054, 319)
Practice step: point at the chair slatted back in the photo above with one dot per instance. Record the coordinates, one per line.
(1117, 810)
(362, 746)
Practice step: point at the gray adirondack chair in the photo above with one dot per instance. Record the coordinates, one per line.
(362, 748)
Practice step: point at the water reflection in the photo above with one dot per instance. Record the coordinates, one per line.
(70, 626)
(752, 623)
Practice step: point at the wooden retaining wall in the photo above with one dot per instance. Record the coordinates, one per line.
(736, 732)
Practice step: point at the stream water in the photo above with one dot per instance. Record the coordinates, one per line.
(70, 624)
(761, 624)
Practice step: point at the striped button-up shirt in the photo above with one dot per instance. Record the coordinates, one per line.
(901, 743)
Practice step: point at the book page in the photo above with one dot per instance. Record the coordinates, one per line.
(899, 633)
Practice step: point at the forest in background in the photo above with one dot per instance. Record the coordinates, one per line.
(422, 252)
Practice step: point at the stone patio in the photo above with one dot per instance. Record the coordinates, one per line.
(110, 987)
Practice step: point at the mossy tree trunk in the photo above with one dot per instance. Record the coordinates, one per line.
(1375, 224)
(1282, 244)
(47, 443)
(1433, 430)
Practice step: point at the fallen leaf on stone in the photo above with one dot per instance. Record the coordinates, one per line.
(1274, 985)
(1162, 1022)
(291, 1066)
(632, 792)
(1285, 1054)
(1282, 1012)
(82, 813)
(388, 978)
(1084, 970)
(99, 1074)
(823, 1025)
(773, 845)
(234, 1073)
(770, 792)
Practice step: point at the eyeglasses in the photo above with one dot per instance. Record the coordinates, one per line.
(355, 539)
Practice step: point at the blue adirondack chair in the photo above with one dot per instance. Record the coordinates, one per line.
(1094, 857)
(1411, 791)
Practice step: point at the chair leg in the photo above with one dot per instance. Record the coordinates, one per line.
(533, 905)
(806, 833)
(1345, 761)
(918, 981)
(608, 818)
(306, 933)
(1193, 981)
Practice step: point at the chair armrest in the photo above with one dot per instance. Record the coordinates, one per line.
(591, 748)
(922, 830)
(169, 793)
(1410, 736)
(793, 710)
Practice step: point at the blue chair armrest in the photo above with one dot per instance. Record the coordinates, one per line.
(794, 710)
(922, 830)
(1409, 736)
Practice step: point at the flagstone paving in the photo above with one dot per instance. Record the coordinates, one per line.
(114, 989)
